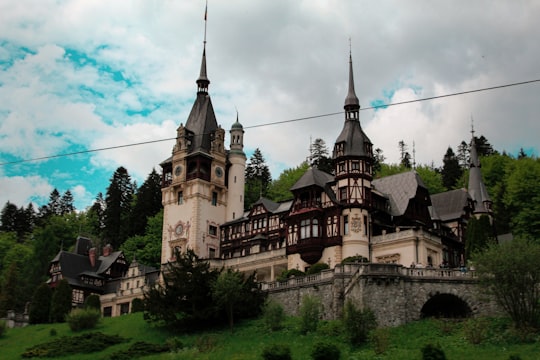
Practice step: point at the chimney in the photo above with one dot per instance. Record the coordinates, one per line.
(92, 256)
(107, 250)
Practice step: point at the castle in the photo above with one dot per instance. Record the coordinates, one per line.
(330, 217)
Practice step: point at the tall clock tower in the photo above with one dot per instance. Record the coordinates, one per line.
(196, 185)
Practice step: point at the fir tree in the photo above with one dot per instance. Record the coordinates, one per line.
(61, 302)
(258, 179)
(40, 306)
(451, 171)
(147, 204)
(117, 212)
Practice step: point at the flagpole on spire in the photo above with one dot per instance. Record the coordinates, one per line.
(205, 21)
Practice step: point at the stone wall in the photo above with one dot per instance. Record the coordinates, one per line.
(395, 294)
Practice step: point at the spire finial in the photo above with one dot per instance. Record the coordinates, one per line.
(351, 100)
(472, 126)
(202, 81)
(205, 22)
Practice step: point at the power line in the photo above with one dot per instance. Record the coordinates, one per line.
(278, 122)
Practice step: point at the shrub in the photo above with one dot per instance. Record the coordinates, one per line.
(205, 343)
(40, 306)
(317, 268)
(380, 340)
(71, 345)
(355, 259)
(273, 315)
(92, 302)
(433, 352)
(325, 351)
(52, 332)
(175, 344)
(289, 273)
(277, 352)
(137, 305)
(358, 323)
(82, 319)
(61, 301)
(476, 330)
(514, 357)
(309, 314)
(330, 328)
(139, 349)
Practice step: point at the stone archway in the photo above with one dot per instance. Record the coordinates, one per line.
(446, 306)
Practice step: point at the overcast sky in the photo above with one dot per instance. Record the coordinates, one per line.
(80, 75)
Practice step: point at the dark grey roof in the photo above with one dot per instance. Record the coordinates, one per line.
(268, 204)
(202, 124)
(399, 189)
(450, 204)
(313, 176)
(351, 99)
(105, 262)
(354, 138)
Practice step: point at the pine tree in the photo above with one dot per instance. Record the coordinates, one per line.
(147, 204)
(451, 171)
(319, 156)
(378, 160)
(40, 306)
(258, 179)
(463, 155)
(61, 302)
(117, 212)
(405, 157)
(10, 295)
(8, 217)
(66, 203)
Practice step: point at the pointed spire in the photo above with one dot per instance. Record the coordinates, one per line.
(351, 101)
(202, 81)
(477, 188)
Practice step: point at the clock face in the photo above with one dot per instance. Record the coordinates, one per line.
(179, 230)
(219, 171)
(178, 170)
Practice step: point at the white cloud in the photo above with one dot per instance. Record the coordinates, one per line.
(21, 190)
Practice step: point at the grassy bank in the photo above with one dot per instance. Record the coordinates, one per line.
(250, 337)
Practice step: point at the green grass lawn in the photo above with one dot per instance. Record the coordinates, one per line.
(250, 337)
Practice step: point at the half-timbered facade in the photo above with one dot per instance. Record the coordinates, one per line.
(330, 217)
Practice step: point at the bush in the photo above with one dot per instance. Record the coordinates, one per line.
(277, 352)
(82, 319)
(380, 340)
(61, 301)
(514, 357)
(139, 349)
(309, 314)
(325, 351)
(317, 268)
(175, 344)
(289, 273)
(137, 305)
(355, 259)
(273, 315)
(433, 352)
(476, 330)
(92, 302)
(41, 305)
(358, 323)
(52, 332)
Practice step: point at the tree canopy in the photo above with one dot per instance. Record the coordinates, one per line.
(510, 272)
